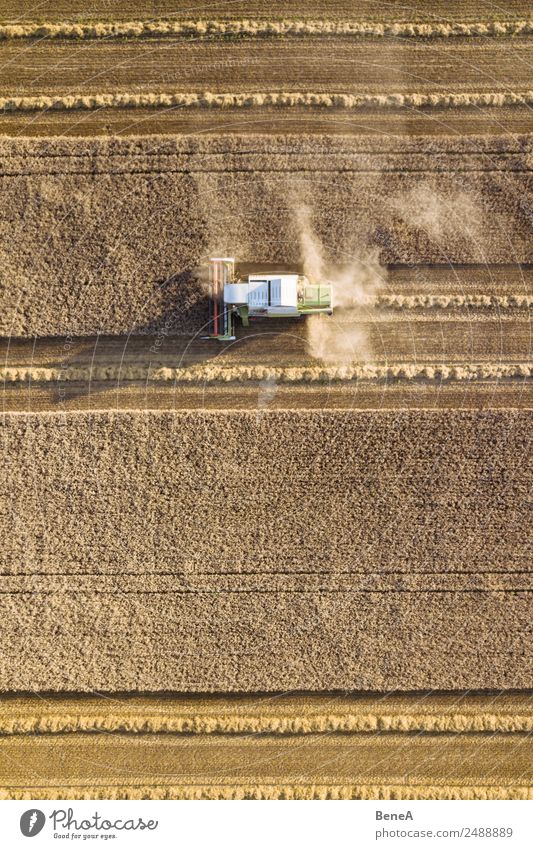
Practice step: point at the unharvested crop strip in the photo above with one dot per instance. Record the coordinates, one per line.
(480, 455)
(283, 99)
(111, 148)
(240, 374)
(265, 28)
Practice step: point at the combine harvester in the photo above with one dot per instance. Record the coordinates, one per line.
(259, 295)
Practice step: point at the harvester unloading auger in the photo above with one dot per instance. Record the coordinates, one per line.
(259, 295)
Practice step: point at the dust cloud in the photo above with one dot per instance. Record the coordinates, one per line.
(441, 218)
(338, 339)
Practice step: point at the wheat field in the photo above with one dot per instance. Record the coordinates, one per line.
(296, 565)
(141, 217)
(105, 496)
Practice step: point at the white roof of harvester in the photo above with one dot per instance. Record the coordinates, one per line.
(264, 291)
(275, 290)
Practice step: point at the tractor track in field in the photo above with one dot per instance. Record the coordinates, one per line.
(309, 766)
(170, 121)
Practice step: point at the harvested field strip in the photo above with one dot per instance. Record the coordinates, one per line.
(316, 374)
(128, 123)
(281, 99)
(262, 28)
(277, 714)
(427, 11)
(392, 338)
(317, 72)
(323, 766)
(145, 395)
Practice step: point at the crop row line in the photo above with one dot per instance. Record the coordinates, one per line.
(266, 28)
(143, 789)
(283, 374)
(285, 99)
(240, 724)
(422, 301)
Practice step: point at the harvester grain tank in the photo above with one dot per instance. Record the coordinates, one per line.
(260, 295)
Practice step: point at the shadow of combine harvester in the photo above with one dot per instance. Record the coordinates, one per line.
(193, 319)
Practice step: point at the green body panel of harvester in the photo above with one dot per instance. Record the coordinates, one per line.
(315, 298)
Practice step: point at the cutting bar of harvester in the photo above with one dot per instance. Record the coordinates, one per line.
(221, 272)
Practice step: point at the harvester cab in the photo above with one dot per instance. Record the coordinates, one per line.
(259, 295)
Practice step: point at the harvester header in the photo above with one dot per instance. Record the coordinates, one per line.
(260, 295)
